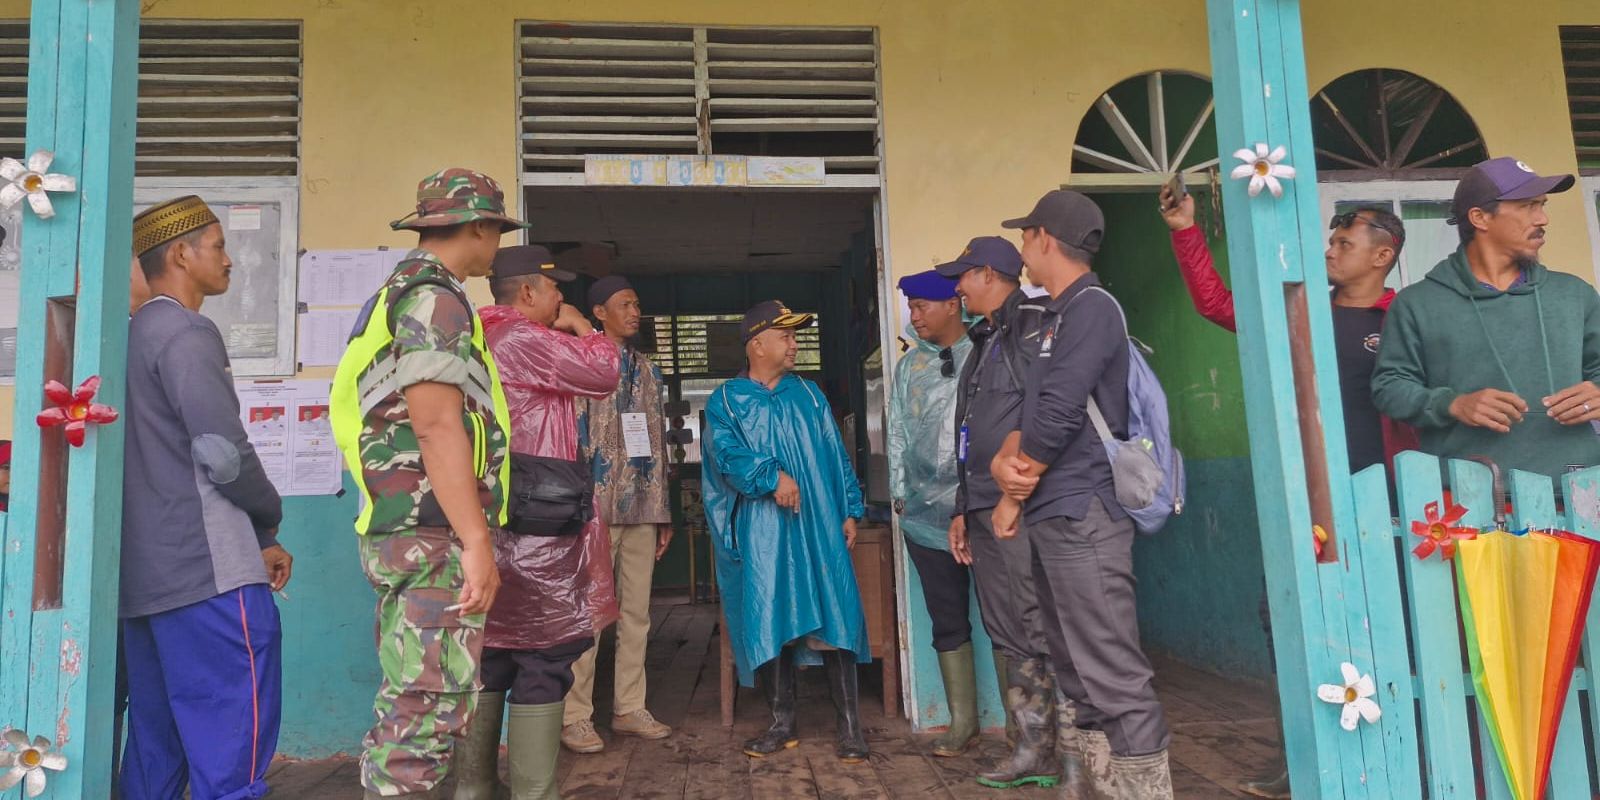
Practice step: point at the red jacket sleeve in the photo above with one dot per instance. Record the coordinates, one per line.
(1211, 296)
(546, 360)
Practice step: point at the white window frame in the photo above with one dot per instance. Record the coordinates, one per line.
(282, 190)
(1590, 185)
(1330, 193)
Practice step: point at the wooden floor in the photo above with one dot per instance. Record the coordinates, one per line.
(1221, 733)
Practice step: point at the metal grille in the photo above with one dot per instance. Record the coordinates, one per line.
(216, 98)
(673, 90)
(1580, 50)
(685, 345)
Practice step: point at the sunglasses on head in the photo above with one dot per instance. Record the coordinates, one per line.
(1349, 218)
(947, 364)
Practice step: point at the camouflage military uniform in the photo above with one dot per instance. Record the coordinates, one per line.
(428, 653)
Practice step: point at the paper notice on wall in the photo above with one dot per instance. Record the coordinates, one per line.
(264, 409)
(324, 332)
(344, 277)
(288, 425)
(244, 218)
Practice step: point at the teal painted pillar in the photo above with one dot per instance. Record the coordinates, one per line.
(1275, 246)
(58, 577)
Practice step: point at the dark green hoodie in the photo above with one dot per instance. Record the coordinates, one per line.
(1449, 335)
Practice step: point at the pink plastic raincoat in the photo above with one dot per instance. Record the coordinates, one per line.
(553, 589)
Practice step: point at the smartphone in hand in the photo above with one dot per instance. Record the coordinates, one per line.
(1175, 191)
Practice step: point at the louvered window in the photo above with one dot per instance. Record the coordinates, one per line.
(1580, 50)
(708, 344)
(216, 98)
(670, 90)
(219, 116)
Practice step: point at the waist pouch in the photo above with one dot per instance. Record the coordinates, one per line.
(549, 496)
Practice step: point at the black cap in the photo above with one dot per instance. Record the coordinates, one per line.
(1503, 178)
(603, 289)
(771, 314)
(995, 252)
(528, 259)
(1067, 215)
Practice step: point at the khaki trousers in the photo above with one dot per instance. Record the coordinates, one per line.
(633, 557)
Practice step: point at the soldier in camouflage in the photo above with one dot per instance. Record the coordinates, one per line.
(418, 412)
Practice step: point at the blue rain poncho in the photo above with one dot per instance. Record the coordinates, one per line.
(922, 440)
(782, 575)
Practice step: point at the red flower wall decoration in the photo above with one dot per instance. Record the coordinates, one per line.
(74, 409)
(1440, 533)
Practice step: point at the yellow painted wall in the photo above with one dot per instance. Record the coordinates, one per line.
(981, 98)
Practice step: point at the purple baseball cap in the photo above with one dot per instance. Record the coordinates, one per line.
(994, 252)
(1502, 178)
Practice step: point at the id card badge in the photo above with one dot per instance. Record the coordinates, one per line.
(961, 446)
(636, 435)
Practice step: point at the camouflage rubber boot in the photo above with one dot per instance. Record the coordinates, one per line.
(1032, 700)
(1066, 723)
(476, 759)
(1000, 661)
(1097, 758)
(1143, 777)
(1075, 783)
(961, 695)
(777, 679)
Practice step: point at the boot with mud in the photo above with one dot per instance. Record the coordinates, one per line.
(1147, 777)
(776, 678)
(476, 759)
(1032, 701)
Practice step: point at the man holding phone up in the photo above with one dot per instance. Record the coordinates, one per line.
(1364, 246)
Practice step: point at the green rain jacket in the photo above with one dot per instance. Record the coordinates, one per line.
(922, 440)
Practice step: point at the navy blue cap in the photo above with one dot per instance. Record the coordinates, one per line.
(1503, 178)
(928, 285)
(995, 252)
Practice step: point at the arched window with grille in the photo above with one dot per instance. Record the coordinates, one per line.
(1392, 139)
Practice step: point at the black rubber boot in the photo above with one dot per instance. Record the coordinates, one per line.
(1031, 697)
(777, 681)
(852, 745)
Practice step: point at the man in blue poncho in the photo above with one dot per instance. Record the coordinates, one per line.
(781, 501)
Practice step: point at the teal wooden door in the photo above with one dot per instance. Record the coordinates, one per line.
(1364, 600)
(58, 573)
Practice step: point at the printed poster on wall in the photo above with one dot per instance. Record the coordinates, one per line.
(287, 424)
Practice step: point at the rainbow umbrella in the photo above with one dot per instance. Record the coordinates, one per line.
(1523, 603)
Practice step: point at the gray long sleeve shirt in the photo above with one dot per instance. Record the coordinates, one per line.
(197, 508)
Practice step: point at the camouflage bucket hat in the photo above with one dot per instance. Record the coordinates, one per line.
(455, 196)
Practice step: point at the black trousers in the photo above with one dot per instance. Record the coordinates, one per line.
(1084, 572)
(1003, 570)
(946, 586)
(532, 677)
